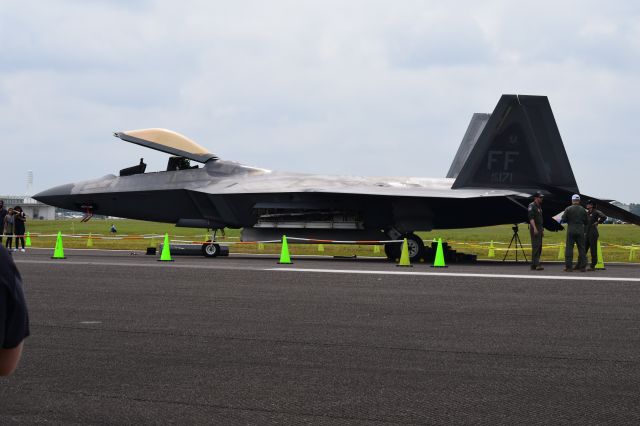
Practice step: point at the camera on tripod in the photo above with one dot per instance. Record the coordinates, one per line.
(518, 244)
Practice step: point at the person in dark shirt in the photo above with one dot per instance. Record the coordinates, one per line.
(576, 217)
(19, 227)
(536, 229)
(592, 235)
(14, 319)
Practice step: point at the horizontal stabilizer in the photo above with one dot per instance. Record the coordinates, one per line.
(614, 211)
(605, 206)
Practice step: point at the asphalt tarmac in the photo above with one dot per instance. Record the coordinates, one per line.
(121, 338)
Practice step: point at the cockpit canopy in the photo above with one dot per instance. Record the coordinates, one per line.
(167, 141)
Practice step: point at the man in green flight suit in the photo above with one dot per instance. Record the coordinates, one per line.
(576, 217)
(596, 217)
(536, 230)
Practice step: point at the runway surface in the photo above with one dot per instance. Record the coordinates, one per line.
(118, 338)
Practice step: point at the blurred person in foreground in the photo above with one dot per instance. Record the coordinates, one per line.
(14, 319)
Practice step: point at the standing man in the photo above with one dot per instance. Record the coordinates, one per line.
(8, 227)
(576, 217)
(595, 218)
(536, 231)
(3, 213)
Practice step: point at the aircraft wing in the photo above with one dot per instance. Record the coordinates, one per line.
(273, 182)
(604, 206)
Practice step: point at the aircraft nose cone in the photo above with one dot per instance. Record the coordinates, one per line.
(57, 196)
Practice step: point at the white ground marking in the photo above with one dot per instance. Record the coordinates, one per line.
(575, 276)
(90, 322)
(578, 276)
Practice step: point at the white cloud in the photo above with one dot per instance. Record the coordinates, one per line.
(358, 87)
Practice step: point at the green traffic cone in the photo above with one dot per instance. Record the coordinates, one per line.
(58, 252)
(165, 256)
(404, 255)
(89, 241)
(27, 241)
(492, 250)
(285, 259)
(600, 264)
(439, 260)
(321, 248)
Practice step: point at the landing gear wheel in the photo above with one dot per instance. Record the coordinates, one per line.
(210, 250)
(415, 246)
(392, 250)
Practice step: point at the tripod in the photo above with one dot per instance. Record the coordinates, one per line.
(515, 238)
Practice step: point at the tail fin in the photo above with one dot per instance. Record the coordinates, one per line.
(519, 147)
(476, 126)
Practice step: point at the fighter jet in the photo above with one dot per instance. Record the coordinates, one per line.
(505, 157)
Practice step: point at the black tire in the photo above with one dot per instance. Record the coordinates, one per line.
(392, 250)
(210, 250)
(415, 246)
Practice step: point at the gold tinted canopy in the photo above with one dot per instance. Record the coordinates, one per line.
(167, 141)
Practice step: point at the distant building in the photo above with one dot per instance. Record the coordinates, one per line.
(32, 208)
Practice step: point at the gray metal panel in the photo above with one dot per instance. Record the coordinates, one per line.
(476, 126)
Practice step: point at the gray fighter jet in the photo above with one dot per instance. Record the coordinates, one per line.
(504, 158)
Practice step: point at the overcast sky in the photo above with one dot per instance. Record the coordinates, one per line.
(337, 87)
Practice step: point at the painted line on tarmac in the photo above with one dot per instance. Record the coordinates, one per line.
(582, 277)
(575, 276)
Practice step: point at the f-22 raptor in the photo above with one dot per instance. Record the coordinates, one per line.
(505, 157)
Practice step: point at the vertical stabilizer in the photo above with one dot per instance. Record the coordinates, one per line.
(519, 147)
(476, 125)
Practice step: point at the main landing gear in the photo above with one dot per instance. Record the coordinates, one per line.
(210, 248)
(415, 247)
